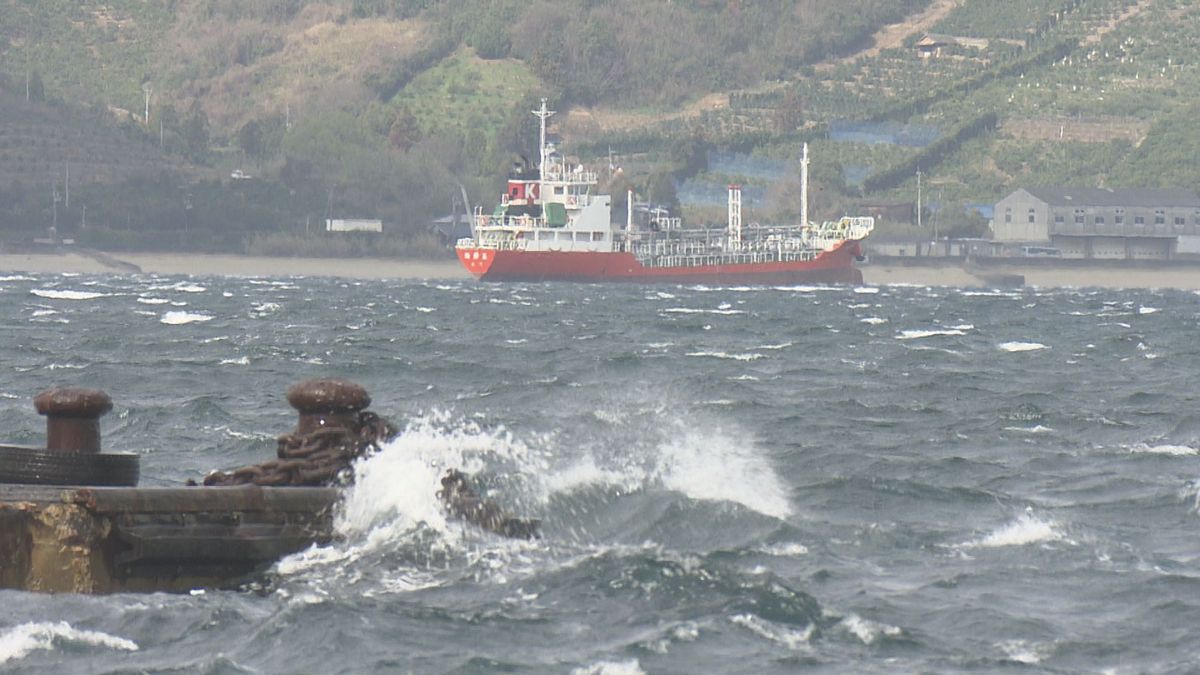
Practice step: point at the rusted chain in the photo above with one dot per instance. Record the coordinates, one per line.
(321, 457)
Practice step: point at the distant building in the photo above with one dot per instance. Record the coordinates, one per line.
(889, 212)
(353, 225)
(1126, 224)
(931, 44)
(449, 229)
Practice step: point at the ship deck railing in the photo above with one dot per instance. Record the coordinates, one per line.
(738, 258)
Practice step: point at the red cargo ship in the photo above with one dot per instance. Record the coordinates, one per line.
(552, 226)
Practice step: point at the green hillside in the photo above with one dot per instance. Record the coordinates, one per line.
(384, 108)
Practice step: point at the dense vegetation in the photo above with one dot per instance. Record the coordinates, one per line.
(393, 108)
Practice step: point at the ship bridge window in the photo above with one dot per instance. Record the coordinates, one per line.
(597, 236)
(558, 189)
(1160, 217)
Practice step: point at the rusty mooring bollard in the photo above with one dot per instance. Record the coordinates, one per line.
(72, 418)
(327, 403)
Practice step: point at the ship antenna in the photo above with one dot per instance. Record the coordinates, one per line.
(804, 188)
(543, 114)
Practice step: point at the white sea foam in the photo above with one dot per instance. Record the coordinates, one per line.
(17, 277)
(585, 472)
(153, 301)
(1035, 429)
(1023, 652)
(43, 312)
(1147, 310)
(631, 667)
(1026, 529)
(918, 334)
(788, 637)
(873, 320)
(727, 355)
(181, 318)
(67, 295)
(716, 466)
(188, 288)
(1173, 450)
(1021, 346)
(395, 490)
(782, 345)
(785, 549)
(18, 641)
(239, 361)
(866, 290)
(723, 310)
(868, 631)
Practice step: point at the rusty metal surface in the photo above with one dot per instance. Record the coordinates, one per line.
(205, 499)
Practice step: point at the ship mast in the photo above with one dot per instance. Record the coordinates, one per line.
(804, 188)
(543, 114)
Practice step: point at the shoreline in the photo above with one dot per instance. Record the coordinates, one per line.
(935, 274)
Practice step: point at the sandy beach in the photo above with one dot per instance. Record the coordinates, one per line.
(1075, 276)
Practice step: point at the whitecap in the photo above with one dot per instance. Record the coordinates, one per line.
(631, 667)
(919, 334)
(43, 312)
(787, 637)
(67, 295)
(692, 310)
(17, 278)
(1027, 529)
(873, 320)
(189, 288)
(785, 549)
(1036, 429)
(868, 631)
(1147, 310)
(239, 361)
(1021, 346)
(1173, 450)
(425, 310)
(18, 641)
(181, 318)
(153, 301)
(727, 355)
(866, 290)
(1023, 652)
(713, 466)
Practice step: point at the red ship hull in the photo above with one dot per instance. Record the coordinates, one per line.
(835, 267)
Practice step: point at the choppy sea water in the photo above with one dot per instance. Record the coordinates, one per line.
(826, 479)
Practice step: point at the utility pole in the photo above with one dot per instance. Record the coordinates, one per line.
(147, 89)
(918, 199)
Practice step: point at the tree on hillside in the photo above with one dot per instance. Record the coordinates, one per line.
(250, 140)
(195, 134)
(404, 131)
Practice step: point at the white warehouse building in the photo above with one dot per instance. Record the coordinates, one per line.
(1124, 224)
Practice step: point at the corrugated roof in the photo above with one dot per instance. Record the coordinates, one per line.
(1128, 197)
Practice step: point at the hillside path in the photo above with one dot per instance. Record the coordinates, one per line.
(892, 35)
